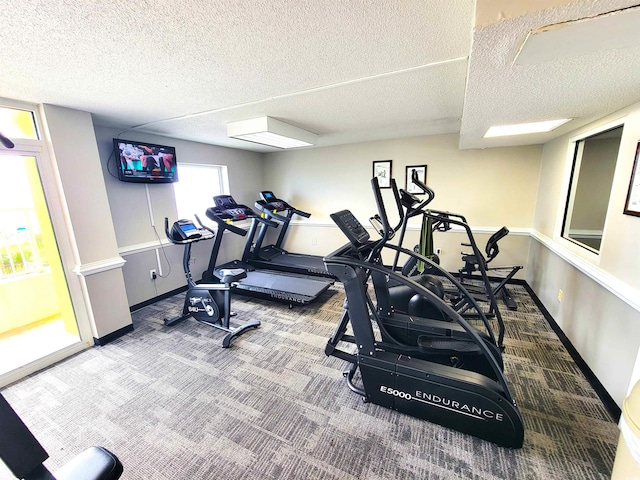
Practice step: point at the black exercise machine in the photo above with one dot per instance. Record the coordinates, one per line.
(261, 283)
(25, 456)
(428, 334)
(208, 303)
(474, 263)
(438, 220)
(457, 398)
(275, 256)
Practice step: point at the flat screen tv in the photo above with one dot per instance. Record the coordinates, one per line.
(145, 162)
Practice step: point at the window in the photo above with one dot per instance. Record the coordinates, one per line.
(197, 186)
(21, 249)
(594, 164)
(18, 123)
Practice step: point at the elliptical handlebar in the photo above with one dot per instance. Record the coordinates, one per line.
(422, 186)
(413, 211)
(382, 217)
(398, 198)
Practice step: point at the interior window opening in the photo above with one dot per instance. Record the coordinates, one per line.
(594, 165)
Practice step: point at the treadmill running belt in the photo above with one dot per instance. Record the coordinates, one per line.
(285, 283)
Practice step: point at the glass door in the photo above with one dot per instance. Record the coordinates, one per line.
(38, 322)
(36, 312)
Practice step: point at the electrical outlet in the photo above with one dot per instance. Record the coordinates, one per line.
(153, 274)
(560, 293)
(438, 251)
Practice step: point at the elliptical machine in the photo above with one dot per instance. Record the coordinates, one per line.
(468, 401)
(437, 220)
(208, 303)
(431, 335)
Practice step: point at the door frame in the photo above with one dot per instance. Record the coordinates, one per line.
(67, 249)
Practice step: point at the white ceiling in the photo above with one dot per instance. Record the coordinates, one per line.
(350, 71)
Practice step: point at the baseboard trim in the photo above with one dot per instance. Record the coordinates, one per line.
(609, 403)
(113, 335)
(153, 300)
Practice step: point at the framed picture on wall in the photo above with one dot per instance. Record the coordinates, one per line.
(382, 170)
(632, 207)
(422, 176)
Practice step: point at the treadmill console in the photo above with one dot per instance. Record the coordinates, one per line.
(351, 227)
(271, 202)
(227, 209)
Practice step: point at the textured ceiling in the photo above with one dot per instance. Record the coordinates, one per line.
(349, 71)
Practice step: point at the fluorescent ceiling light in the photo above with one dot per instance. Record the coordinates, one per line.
(523, 128)
(272, 132)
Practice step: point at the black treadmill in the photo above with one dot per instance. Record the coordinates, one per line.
(261, 283)
(274, 256)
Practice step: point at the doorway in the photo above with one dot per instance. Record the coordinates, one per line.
(36, 312)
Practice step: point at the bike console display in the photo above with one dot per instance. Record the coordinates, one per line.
(185, 229)
(351, 227)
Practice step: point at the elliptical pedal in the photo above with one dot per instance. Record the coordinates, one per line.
(447, 346)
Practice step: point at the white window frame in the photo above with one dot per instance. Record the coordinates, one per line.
(205, 192)
(577, 248)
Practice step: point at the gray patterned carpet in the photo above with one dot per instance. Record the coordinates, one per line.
(172, 404)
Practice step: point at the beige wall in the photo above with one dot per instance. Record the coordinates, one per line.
(72, 141)
(491, 188)
(600, 307)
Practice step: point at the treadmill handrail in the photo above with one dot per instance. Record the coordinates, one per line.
(212, 215)
(262, 205)
(271, 213)
(421, 290)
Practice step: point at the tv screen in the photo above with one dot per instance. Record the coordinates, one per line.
(144, 162)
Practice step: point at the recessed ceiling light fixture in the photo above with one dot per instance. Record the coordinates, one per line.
(524, 128)
(272, 132)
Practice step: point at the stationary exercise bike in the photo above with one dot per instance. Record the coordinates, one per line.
(208, 303)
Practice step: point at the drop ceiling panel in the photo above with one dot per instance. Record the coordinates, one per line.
(418, 102)
(141, 62)
(352, 70)
(583, 87)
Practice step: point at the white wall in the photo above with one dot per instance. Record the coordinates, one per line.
(72, 141)
(137, 238)
(491, 188)
(600, 306)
